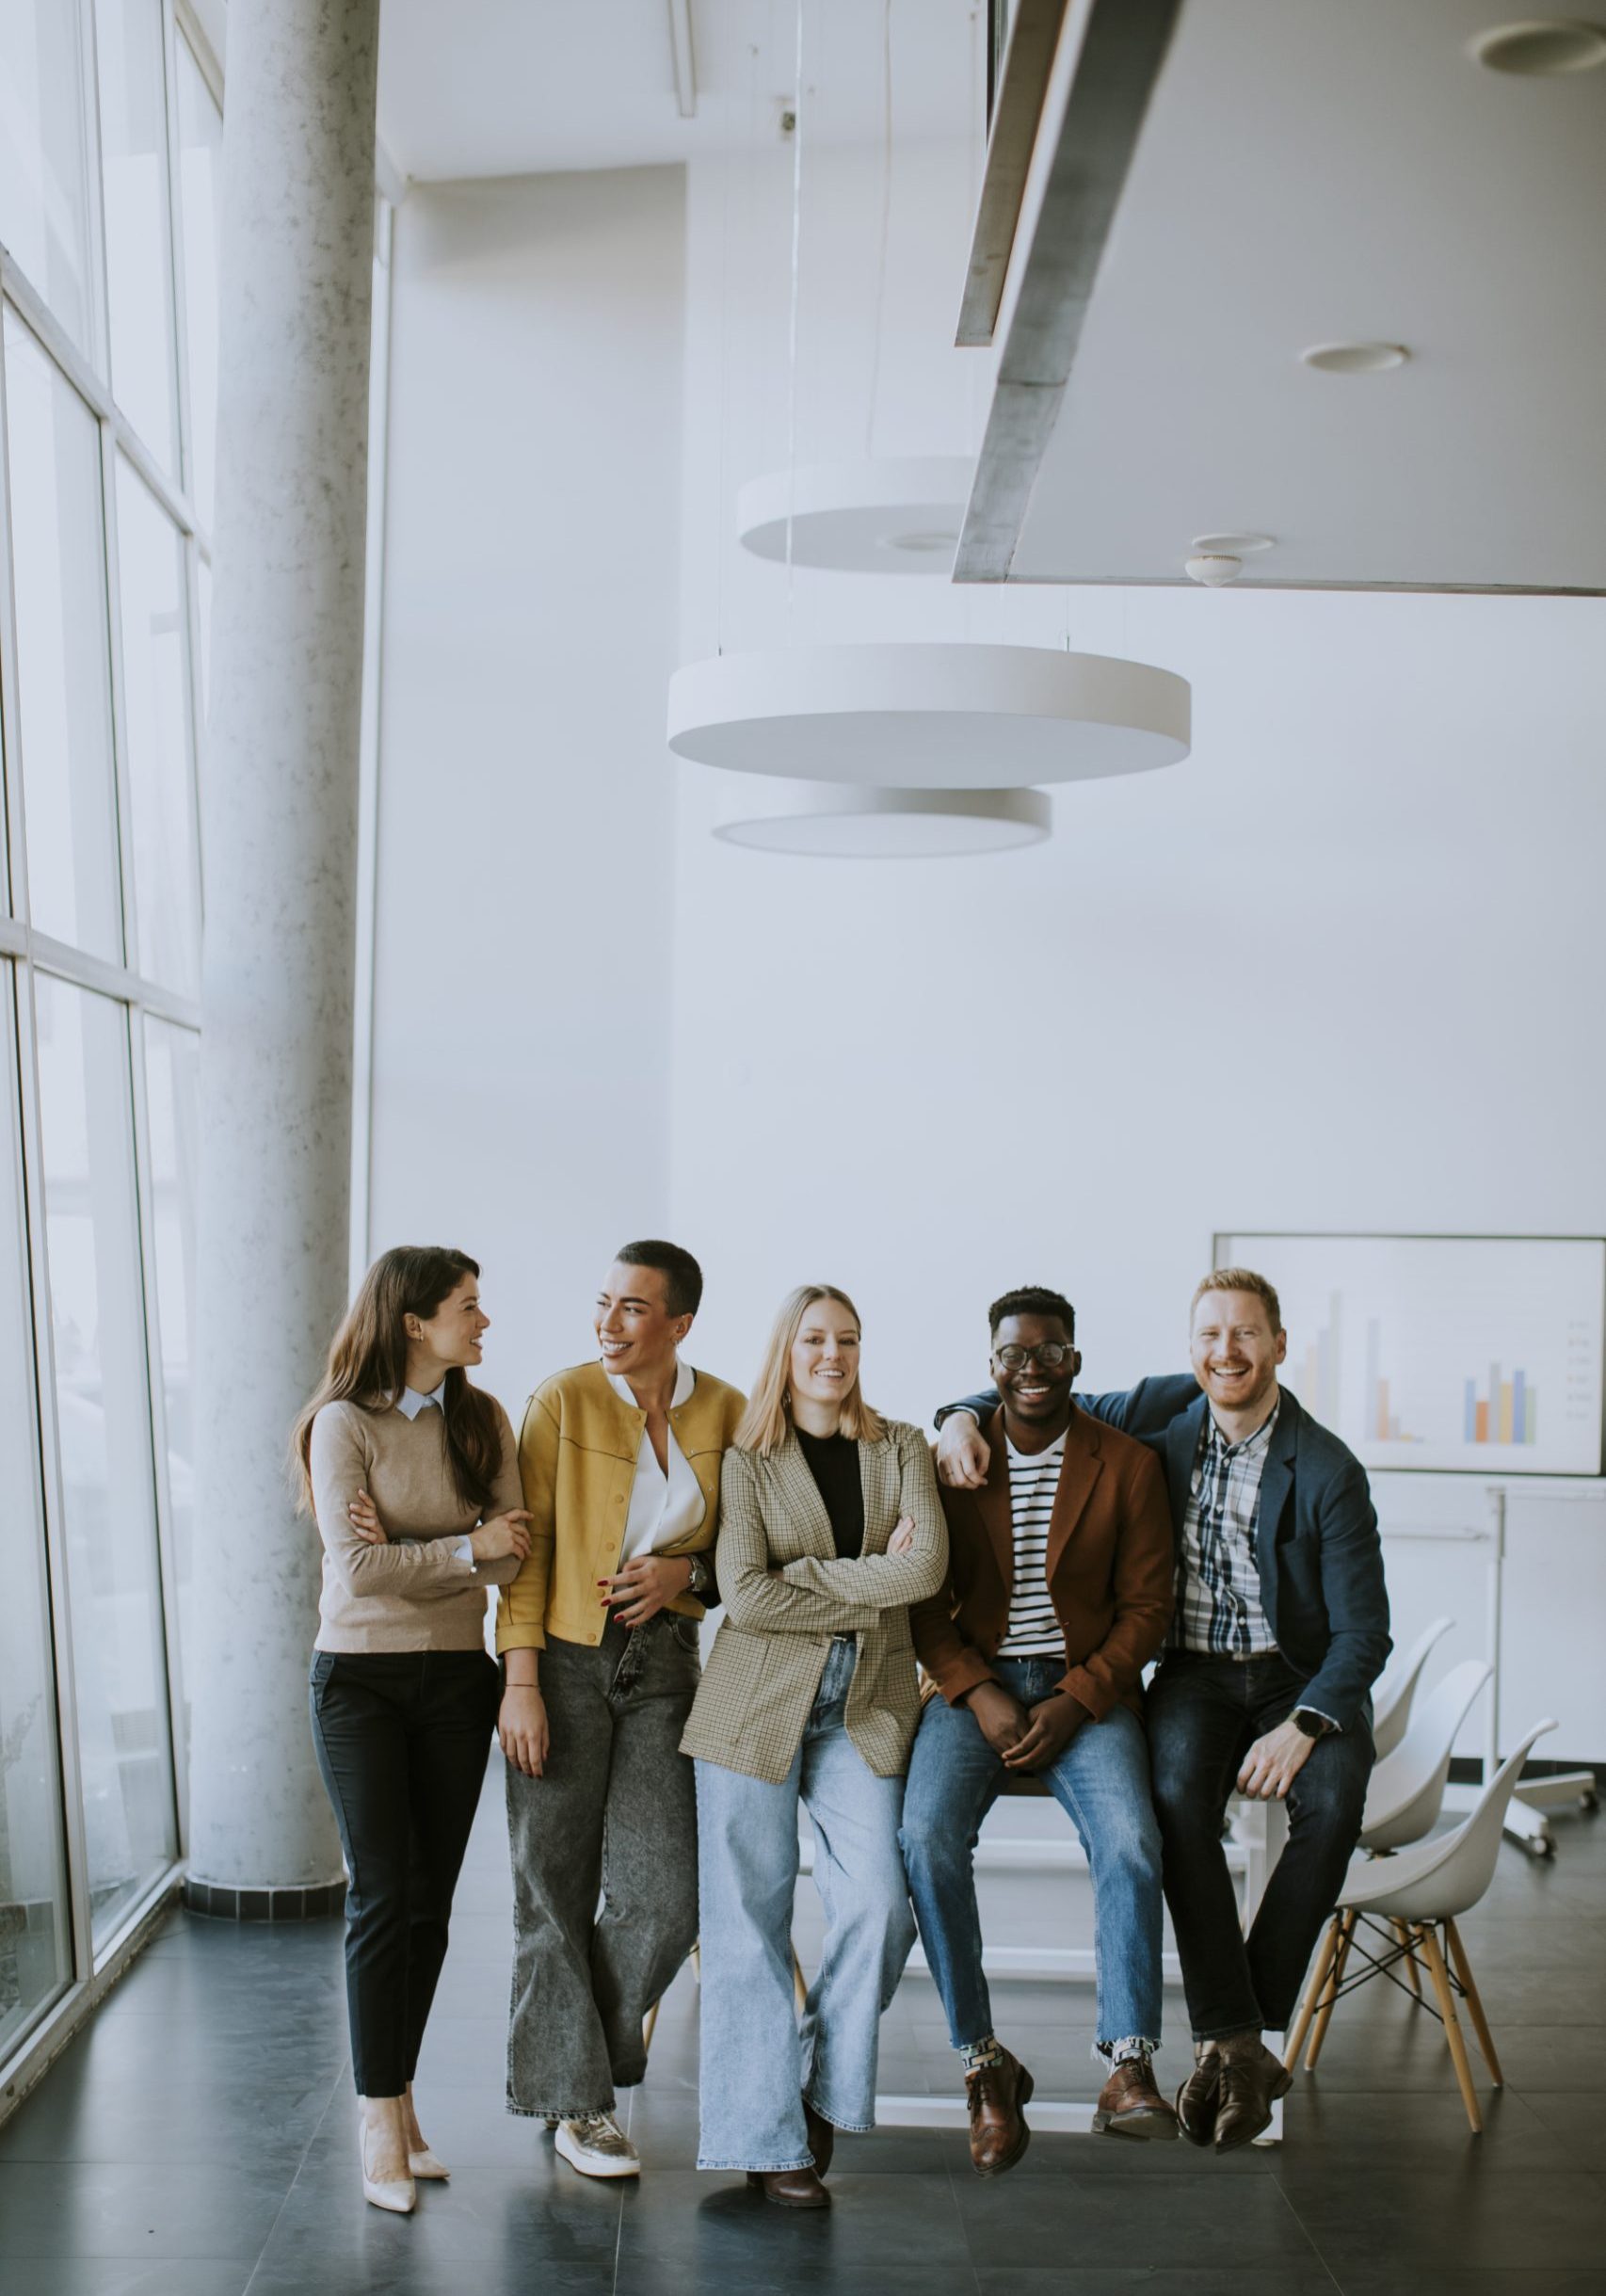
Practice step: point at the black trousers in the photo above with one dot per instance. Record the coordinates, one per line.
(402, 1740)
(1204, 1713)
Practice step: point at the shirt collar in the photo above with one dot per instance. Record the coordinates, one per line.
(685, 1379)
(409, 1403)
(1247, 1445)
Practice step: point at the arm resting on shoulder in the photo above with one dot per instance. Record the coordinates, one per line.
(521, 1613)
(1356, 1595)
(756, 1596)
(887, 1582)
(981, 1406)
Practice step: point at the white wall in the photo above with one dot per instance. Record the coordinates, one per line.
(1340, 970)
(521, 1034)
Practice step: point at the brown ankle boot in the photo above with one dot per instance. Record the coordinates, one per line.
(1251, 2082)
(1129, 2105)
(797, 2188)
(994, 2096)
(822, 2138)
(1200, 2095)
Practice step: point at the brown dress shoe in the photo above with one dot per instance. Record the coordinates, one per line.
(822, 2138)
(797, 2188)
(1129, 2105)
(1200, 2096)
(994, 2097)
(1251, 2082)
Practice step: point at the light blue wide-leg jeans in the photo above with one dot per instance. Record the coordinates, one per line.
(757, 2059)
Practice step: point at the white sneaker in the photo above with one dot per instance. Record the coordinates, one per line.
(598, 2146)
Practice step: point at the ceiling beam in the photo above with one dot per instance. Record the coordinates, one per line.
(1122, 47)
(685, 55)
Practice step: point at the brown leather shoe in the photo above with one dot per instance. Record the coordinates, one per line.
(797, 2188)
(822, 2138)
(1251, 2082)
(1200, 2096)
(1129, 2105)
(994, 2097)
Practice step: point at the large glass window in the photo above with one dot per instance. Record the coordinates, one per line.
(172, 1066)
(200, 154)
(102, 1410)
(35, 1956)
(134, 174)
(63, 663)
(156, 717)
(44, 195)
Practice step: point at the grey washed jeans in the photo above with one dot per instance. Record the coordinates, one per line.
(604, 1865)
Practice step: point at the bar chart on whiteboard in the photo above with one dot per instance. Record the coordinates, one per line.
(1477, 1354)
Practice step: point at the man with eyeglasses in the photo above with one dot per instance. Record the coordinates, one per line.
(1059, 1593)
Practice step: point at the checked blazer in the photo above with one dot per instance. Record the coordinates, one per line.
(787, 1593)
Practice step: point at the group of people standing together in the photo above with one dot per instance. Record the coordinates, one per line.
(894, 1648)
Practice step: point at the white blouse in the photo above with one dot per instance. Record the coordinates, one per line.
(662, 1507)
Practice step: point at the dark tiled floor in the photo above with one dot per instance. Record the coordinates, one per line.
(199, 2140)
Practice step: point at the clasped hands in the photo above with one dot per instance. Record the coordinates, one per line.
(1026, 1738)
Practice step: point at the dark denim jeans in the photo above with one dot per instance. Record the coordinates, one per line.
(402, 1738)
(1204, 1714)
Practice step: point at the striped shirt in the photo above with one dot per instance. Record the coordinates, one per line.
(1032, 1630)
(1218, 1571)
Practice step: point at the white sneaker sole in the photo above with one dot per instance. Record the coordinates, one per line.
(593, 2164)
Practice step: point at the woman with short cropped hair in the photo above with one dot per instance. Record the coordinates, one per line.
(831, 1527)
(413, 1475)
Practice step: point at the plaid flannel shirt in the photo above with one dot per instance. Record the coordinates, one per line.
(1218, 1573)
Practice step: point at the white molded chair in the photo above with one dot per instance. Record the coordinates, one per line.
(1406, 1789)
(1392, 1701)
(1419, 1890)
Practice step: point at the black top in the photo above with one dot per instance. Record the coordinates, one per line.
(833, 1462)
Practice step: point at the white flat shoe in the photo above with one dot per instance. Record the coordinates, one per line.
(397, 2193)
(424, 2163)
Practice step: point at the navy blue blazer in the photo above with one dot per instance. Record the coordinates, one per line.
(1320, 1556)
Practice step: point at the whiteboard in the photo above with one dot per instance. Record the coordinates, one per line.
(1459, 1355)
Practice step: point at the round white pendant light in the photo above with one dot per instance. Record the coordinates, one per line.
(893, 515)
(929, 716)
(833, 821)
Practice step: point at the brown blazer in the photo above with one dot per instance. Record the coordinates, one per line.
(1111, 1569)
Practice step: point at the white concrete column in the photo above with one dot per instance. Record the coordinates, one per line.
(279, 834)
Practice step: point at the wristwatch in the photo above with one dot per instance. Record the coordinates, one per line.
(702, 1579)
(1312, 1724)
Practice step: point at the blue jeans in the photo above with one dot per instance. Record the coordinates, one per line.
(756, 2060)
(1102, 1780)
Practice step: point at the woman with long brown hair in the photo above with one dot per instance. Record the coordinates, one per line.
(831, 1527)
(413, 1475)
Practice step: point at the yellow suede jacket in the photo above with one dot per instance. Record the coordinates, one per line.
(577, 1452)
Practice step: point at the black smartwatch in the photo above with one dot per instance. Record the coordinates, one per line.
(1313, 1726)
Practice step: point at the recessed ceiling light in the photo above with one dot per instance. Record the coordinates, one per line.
(1229, 545)
(1540, 48)
(1354, 358)
(934, 537)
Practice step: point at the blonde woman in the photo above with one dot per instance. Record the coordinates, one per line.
(831, 1527)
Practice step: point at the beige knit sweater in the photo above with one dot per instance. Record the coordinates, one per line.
(413, 1593)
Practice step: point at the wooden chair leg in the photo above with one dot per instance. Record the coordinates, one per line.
(799, 1983)
(1335, 1977)
(1446, 1993)
(1312, 1993)
(1413, 1976)
(648, 2027)
(696, 1961)
(1474, 2003)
